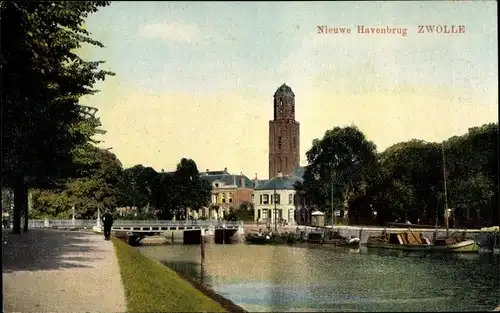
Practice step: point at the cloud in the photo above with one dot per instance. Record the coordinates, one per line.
(177, 32)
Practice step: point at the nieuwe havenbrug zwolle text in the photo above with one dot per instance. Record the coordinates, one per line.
(382, 30)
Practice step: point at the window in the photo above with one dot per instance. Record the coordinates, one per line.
(260, 202)
(294, 143)
(290, 198)
(271, 196)
(259, 214)
(253, 197)
(216, 185)
(264, 213)
(265, 199)
(291, 213)
(230, 197)
(223, 198)
(279, 142)
(278, 198)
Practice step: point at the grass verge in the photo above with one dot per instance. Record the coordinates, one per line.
(152, 287)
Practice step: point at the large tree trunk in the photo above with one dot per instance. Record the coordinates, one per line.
(20, 206)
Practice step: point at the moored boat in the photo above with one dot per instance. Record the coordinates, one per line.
(407, 240)
(415, 241)
(455, 244)
(332, 238)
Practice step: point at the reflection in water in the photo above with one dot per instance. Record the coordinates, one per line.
(283, 278)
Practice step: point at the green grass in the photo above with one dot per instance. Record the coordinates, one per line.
(153, 287)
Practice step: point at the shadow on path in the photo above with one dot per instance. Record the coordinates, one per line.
(45, 249)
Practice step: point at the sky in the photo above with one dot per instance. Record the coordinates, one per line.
(196, 79)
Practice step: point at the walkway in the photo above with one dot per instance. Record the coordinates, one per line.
(60, 271)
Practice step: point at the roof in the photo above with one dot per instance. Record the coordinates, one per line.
(226, 178)
(280, 183)
(284, 90)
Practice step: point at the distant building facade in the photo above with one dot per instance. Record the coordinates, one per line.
(228, 191)
(274, 201)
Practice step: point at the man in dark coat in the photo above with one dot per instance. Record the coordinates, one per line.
(107, 220)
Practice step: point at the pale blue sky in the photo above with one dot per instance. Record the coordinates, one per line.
(226, 59)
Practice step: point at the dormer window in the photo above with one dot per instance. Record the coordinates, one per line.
(216, 185)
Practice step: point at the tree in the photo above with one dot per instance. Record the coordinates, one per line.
(340, 163)
(43, 80)
(136, 186)
(99, 189)
(415, 171)
(174, 193)
(195, 192)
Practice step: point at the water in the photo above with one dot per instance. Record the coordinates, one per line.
(285, 279)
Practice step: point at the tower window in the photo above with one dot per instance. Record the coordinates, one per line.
(294, 143)
(279, 142)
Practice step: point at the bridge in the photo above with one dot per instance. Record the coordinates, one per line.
(136, 230)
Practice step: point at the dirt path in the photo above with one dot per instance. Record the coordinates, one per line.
(60, 271)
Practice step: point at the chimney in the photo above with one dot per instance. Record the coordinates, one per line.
(280, 174)
(207, 170)
(162, 170)
(225, 169)
(243, 181)
(255, 182)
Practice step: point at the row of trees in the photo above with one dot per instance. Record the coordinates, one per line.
(406, 181)
(161, 195)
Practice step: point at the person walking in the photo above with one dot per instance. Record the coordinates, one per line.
(107, 220)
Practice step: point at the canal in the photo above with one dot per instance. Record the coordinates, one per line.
(285, 279)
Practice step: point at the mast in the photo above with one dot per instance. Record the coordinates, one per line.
(445, 190)
(444, 179)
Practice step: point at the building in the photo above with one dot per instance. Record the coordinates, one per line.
(284, 134)
(228, 191)
(275, 200)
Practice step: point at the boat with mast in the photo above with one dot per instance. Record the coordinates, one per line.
(415, 241)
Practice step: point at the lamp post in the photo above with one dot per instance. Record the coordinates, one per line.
(334, 218)
(73, 220)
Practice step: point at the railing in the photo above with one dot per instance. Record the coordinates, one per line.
(178, 223)
(62, 223)
(122, 223)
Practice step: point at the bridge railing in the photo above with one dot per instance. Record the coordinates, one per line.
(178, 223)
(61, 223)
(133, 223)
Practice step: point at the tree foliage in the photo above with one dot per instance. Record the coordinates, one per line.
(136, 186)
(341, 162)
(406, 181)
(98, 190)
(174, 193)
(42, 82)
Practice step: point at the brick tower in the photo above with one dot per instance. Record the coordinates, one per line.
(284, 144)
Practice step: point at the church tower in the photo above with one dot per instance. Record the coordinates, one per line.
(284, 145)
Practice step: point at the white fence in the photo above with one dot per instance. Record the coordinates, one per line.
(138, 223)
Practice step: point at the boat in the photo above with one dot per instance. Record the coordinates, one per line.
(455, 243)
(406, 240)
(332, 238)
(414, 241)
(265, 239)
